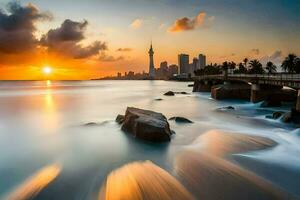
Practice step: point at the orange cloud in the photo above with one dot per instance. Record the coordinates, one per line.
(136, 24)
(186, 24)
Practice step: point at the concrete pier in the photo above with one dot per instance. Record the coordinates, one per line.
(298, 101)
(202, 86)
(256, 93)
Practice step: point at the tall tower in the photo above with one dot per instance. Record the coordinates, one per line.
(151, 65)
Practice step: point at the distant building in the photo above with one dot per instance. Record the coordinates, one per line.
(183, 63)
(151, 63)
(173, 70)
(130, 75)
(194, 66)
(119, 75)
(163, 70)
(202, 61)
(164, 65)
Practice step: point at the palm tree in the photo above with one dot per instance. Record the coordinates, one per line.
(242, 69)
(246, 62)
(271, 67)
(232, 65)
(256, 67)
(289, 63)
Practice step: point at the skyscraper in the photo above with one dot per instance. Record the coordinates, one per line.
(183, 63)
(202, 61)
(151, 64)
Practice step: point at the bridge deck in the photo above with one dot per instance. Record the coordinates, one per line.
(289, 80)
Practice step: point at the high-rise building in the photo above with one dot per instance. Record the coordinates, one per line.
(151, 63)
(183, 63)
(202, 61)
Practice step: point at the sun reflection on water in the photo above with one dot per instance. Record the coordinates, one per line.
(51, 121)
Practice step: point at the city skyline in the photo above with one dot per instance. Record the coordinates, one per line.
(109, 37)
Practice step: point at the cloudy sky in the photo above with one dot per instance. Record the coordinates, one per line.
(94, 38)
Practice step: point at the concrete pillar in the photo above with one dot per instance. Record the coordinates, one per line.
(298, 101)
(256, 93)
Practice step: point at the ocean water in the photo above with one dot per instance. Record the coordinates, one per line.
(42, 131)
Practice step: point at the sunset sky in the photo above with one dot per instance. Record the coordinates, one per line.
(95, 38)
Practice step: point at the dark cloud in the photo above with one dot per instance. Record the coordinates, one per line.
(66, 40)
(105, 58)
(68, 31)
(17, 27)
(186, 24)
(124, 49)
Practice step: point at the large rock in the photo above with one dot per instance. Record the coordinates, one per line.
(202, 86)
(231, 91)
(147, 125)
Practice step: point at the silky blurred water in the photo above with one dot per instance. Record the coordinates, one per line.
(42, 125)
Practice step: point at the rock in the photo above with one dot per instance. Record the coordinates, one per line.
(202, 86)
(293, 116)
(147, 125)
(181, 120)
(228, 108)
(170, 93)
(231, 91)
(273, 96)
(277, 114)
(91, 124)
(184, 93)
(158, 99)
(120, 119)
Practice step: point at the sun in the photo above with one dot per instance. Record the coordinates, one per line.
(47, 70)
